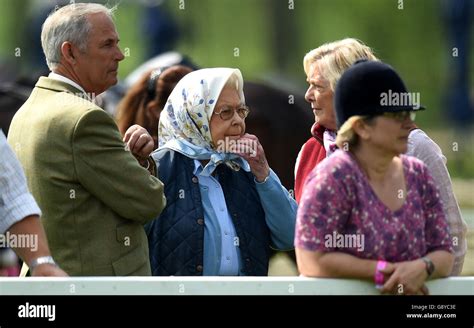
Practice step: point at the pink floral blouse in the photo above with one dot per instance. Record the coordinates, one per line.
(339, 211)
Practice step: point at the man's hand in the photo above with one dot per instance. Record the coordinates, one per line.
(139, 142)
(48, 270)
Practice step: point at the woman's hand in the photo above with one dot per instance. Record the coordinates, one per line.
(406, 278)
(139, 142)
(252, 151)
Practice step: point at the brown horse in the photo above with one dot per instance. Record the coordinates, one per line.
(12, 95)
(282, 122)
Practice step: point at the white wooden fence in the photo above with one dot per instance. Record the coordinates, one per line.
(213, 286)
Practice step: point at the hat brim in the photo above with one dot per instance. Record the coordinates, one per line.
(401, 108)
(395, 109)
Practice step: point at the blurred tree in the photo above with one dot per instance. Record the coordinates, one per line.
(160, 29)
(283, 32)
(458, 16)
(12, 31)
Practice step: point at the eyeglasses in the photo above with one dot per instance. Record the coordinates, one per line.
(401, 116)
(226, 113)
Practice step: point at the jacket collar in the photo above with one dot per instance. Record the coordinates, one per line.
(317, 131)
(59, 77)
(59, 86)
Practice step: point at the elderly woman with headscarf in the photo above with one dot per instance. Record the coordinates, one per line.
(367, 211)
(225, 206)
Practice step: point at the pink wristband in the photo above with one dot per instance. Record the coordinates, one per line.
(379, 277)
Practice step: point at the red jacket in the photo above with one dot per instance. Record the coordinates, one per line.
(310, 155)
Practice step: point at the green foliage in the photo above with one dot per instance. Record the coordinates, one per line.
(11, 27)
(272, 36)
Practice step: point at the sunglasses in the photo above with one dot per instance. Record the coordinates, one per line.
(401, 116)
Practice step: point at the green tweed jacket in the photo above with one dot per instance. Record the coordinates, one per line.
(94, 195)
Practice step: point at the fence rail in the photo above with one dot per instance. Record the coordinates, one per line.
(213, 286)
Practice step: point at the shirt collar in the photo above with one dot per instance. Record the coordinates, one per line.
(197, 167)
(64, 79)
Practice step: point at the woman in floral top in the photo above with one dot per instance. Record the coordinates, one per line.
(368, 212)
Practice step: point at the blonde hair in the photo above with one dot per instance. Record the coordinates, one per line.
(335, 57)
(346, 136)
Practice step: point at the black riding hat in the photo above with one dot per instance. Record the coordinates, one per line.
(371, 88)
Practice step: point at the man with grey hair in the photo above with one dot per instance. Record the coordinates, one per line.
(95, 196)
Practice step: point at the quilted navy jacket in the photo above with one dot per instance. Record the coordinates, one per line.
(176, 237)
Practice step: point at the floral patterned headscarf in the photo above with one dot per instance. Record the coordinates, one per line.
(184, 122)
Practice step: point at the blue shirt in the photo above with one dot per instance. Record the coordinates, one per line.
(221, 243)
